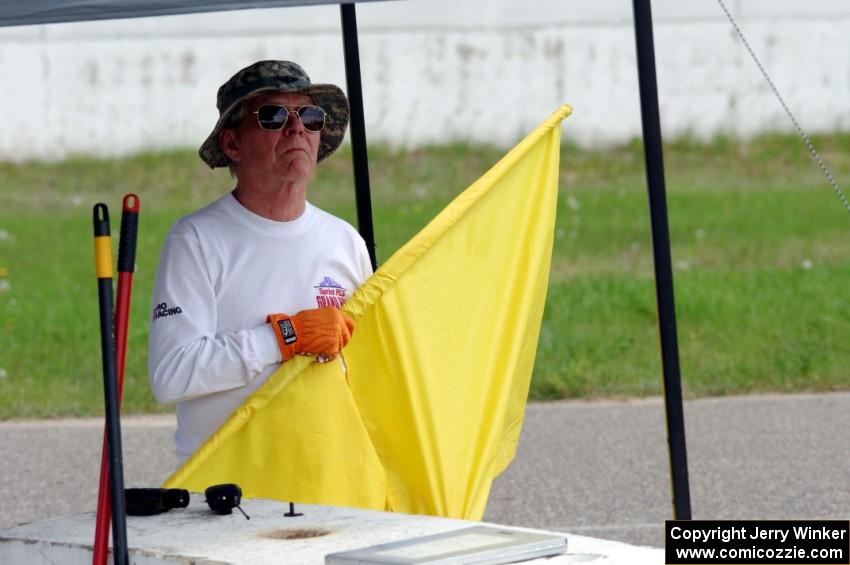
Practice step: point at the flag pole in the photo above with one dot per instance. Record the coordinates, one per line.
(358, 129)
(126, 267)
(653, 154)
(103, 270)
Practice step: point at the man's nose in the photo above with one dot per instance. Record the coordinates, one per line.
(293, 124)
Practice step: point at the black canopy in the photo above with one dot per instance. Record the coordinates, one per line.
(27, 12)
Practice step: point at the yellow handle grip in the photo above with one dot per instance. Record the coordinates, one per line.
(103, 256)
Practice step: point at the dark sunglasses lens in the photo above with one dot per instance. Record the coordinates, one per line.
(313, 117)
(272, 117)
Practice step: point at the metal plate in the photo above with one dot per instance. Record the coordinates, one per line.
(482, 545)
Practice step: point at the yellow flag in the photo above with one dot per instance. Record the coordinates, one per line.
(430, 407)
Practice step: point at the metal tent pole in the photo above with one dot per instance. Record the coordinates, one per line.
(653, 154)
(358, 129)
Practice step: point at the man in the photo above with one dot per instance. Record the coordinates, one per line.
(231, 275)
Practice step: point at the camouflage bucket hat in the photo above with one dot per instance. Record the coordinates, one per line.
(276, 76)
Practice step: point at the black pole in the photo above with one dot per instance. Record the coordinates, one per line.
(653, 154)
(358, 129)
(103, 270)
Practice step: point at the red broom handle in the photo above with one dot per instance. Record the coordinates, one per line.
(126, 266)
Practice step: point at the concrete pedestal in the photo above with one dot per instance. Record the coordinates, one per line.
(195, 535)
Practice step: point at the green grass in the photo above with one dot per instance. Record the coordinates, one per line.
(759, 244)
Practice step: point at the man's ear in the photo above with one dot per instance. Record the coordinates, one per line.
(228, 140)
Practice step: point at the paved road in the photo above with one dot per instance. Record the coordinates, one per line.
(593, 468)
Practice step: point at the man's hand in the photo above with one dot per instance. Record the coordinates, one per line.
(322, 332)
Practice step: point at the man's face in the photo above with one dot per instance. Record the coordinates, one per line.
(287, 154)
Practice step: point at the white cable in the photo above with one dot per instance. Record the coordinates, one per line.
(805, 137)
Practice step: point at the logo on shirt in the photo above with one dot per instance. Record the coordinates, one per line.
(162, 310)
(330, 293)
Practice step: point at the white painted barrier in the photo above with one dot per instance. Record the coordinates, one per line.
(196, 535)
(433, 71)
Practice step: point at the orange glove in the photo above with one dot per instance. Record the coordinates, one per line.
(322, 332)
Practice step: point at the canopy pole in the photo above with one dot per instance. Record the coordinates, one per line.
(358, 129)
(653, 155)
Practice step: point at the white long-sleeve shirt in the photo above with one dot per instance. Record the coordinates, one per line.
(222, 271)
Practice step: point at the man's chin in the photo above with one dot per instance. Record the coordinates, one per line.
(291, 158)
(298, 169)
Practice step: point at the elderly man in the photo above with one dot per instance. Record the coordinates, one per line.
(253, 279)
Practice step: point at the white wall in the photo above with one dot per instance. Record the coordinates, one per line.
(433, 70)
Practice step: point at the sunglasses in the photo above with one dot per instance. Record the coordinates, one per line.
(273, 117)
